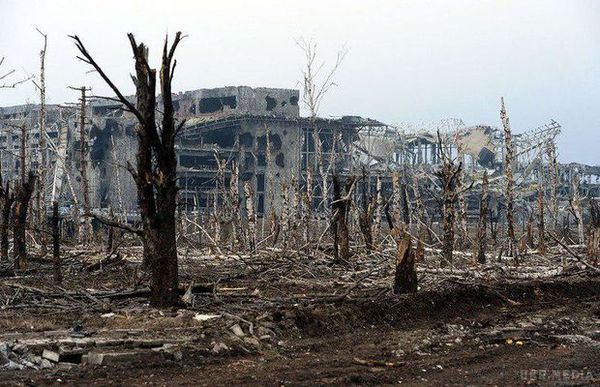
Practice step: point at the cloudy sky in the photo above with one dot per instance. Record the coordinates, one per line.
(408, 60)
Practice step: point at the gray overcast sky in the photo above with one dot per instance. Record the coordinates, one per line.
(408, 60)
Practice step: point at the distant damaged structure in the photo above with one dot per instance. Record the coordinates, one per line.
(256, 138)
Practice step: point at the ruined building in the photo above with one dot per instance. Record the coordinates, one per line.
(226, 130)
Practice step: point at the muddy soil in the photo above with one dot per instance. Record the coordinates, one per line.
(540, 332)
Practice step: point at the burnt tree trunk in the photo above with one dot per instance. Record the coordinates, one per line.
(155, 175)
(7, 198)
(405, 277)
(41, 207)
(365, 219)
(24, 192)
(56, 243)
(448, 213)
(405, 203)
(110, 238)
(84, 156)
(420, 219)
(509, 190)
(529, 231)
(593, 248)
(448, 176)
(482, 224)
(541, 224)
(341, 207)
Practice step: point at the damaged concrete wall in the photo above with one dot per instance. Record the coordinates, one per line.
(237, 100)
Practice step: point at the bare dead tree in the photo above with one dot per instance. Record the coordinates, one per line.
(4, 77)
(41, 205)
(56, 243)
(576, 206)
(366, 215)
(234, 200)
(285, 213)
(593, 247)
(84, 158)
(23, 196)
(7, 198)
(484, 201)
(295, 202)
(251, 215)
(307, 210)
(396, 199)
(156, 173)
(553, 166)
(420, 215)
(462, 204)
(316, 84)
(493, 228)
(7, 195)
(528, 240)
(23, 156)
(508, 172)
(122, 212)
(274, 219)
(377, 208)
(406, 210)
(541, 223)
(448, 177)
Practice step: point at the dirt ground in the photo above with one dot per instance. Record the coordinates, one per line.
(268, 322)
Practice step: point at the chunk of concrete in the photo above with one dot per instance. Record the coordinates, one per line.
(51, 355)
(252, 341)
(45, 364)
(237, 330)
(205, 317)
(220, 347)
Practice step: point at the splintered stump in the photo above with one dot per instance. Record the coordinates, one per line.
(405, 279)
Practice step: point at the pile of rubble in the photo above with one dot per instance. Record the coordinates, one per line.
(210, 334)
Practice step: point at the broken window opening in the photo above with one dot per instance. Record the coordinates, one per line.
(223, 137)
(260, 207)
(271, 102)
(246, 139)
(279, 160)
(198, 161)
(248, 161)
(260, 183)
(275, 140)
(261, 160)
(216, 104)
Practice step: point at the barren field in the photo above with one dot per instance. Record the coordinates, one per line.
(275, 320)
